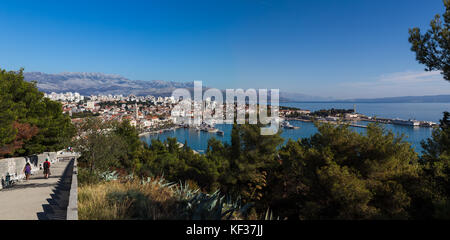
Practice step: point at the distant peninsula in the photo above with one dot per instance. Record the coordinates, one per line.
(405, 99)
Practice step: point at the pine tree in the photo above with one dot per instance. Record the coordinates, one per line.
(23, 106)
(433, 47)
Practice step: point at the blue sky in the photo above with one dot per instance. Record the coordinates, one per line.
(330, 48)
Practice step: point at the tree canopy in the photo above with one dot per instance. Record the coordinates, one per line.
(341, 174)
(433, 47)
(29, 123)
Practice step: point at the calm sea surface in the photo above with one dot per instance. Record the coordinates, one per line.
(420, 111)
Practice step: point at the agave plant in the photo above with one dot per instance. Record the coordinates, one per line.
(129, 177)
(204, 206)
(194, 204)
(160, 182)
(269, 215)
(185, 192)
(109, 176)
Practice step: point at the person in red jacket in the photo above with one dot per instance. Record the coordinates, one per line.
(46, 168)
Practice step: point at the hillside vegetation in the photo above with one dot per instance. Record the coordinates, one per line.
(335, 174)
(29, 123)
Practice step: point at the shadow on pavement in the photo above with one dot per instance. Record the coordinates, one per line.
(56, 209)
(29, 185)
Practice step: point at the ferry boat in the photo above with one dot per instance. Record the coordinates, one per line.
(406, 122)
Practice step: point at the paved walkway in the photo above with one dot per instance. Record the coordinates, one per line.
(27, 200)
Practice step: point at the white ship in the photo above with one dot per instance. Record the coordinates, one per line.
(406, 122)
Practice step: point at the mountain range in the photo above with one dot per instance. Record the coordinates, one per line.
(100, 83)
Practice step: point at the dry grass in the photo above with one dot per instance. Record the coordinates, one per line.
(129, 200)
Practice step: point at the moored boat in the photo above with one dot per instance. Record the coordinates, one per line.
(406, 122)
(213, 130)
(287, 125)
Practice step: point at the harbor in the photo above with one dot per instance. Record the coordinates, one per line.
(198, 140)
(355, 120)
(201, 128)
(301, 125)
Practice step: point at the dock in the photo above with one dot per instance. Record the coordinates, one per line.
(358, 125)
(345, 123)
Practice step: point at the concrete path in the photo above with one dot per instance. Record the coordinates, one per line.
(27, 200)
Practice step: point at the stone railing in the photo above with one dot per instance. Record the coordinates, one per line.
(72, 208)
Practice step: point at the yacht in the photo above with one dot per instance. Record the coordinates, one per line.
(287, 125)
(212, 130)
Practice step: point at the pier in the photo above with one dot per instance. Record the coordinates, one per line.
(351, 124)
(357, 125)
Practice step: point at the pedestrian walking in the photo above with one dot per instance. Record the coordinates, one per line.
(27, 171)
(46, 168)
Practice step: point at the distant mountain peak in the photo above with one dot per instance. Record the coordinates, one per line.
(99, 83)
(92, 83)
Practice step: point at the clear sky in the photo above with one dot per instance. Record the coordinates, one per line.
(330, 48)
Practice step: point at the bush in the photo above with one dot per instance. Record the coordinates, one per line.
(87, 177)
(126, 200)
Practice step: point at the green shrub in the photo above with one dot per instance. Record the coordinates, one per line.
(86, 177)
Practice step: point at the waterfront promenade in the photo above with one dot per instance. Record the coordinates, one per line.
(39, 198)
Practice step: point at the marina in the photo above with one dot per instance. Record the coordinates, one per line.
(198, 140)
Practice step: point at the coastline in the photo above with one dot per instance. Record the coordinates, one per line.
(158, 131)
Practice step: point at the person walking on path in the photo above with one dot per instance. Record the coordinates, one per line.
(46, 168)
(27, 170)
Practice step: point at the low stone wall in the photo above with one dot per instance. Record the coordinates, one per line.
(72, 208)
(14, 166)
